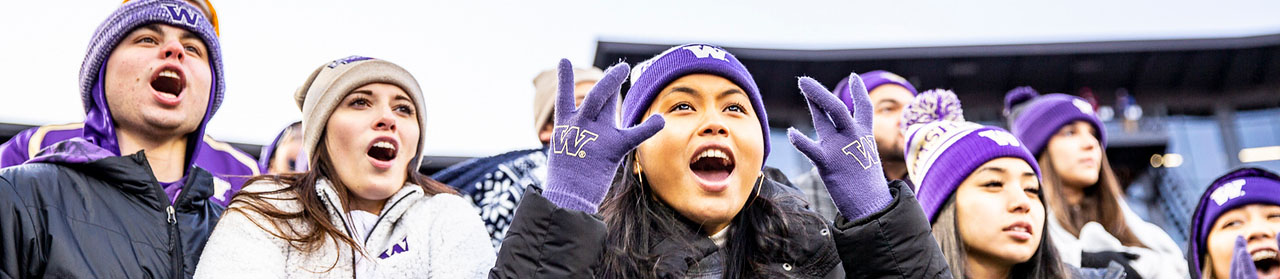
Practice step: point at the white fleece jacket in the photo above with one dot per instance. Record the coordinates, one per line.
(1160, 259)
(416, 236)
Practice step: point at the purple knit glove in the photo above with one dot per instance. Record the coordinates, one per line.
(587, 145)
(1241, 263)
(846, 155)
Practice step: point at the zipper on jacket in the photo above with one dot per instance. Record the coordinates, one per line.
(174, 233)
(171, 214)
(173, 218)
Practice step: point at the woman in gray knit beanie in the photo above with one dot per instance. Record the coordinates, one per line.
(362, 210)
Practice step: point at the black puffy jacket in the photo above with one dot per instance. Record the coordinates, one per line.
(105, 218)
(546, 241)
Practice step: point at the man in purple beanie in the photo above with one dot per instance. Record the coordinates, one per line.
(230, 166)
(1234, 227)
(126, 199)
(890, 95)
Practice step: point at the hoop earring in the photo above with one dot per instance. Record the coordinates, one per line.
(640, 176)
(755, 191)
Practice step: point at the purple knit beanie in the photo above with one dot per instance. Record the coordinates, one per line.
(872, 80)
(1233, 190)
(134, 14)
(1035, 118)
(649, 77)
(942, 149)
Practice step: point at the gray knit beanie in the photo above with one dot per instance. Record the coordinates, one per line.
(330, 83)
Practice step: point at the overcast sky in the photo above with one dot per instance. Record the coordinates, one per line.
(476, 59)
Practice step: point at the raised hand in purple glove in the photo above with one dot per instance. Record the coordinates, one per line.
(845, 152)
(586, 144)
(1241, 263)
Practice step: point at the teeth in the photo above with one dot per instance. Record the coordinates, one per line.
(1019, 229)
(1263, 254)
(169, 74)
(713, 153)
(383, 144)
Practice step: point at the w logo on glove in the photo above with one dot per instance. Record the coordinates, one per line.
(864, 150)
(562, 145)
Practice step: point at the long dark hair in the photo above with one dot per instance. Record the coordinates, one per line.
(1045, 263)
(315, 223)
(1100, 203)
(637, 220)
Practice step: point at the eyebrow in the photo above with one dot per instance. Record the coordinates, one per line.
(366, 92)
(995, 169)
(887, 101)
(189, 35)
(691, 91)
(732, 91)
(682, 89)
(155, 27)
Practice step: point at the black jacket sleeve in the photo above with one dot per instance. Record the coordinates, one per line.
(895, 242)
(20, 252)
(546, 241)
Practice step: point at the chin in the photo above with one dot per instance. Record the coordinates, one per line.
(716, 210)
(377, 189)
(168, 121)
(1018, 253)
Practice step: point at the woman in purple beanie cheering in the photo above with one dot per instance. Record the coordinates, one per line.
(1233, 230)
(1090, 223)
(980, 188)
(690, 201)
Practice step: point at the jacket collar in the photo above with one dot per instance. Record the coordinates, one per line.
(391, 213)
(131, 174)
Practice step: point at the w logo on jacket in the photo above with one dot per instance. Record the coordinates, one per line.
(401, 247)
(561, 143)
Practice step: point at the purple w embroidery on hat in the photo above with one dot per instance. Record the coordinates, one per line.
(179, 13)
(398, 248)
(347, 60)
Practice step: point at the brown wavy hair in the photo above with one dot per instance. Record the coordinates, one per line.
(1101, 202)
(315, 225)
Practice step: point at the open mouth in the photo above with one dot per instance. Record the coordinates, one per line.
(712, 163)
(1266, 262)
(1020, 230)
(383, 149)
(169, 80)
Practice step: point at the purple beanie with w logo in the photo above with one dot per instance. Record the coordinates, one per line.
(649, 77)
(135, 14)
(1233, 190)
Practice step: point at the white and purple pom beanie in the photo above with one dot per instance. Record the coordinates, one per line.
(942, 149)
